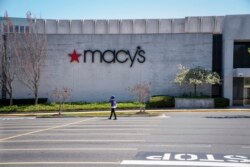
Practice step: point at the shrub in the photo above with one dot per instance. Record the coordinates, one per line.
(221, 102)
(161, 101)
(23, 101)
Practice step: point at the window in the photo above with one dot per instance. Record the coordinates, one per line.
(241, 55)
(21, 29)
(16, 29)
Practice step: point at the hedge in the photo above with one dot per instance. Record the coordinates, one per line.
(161, 101)
(221, 102)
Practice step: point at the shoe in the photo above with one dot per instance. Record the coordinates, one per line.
(109, 118)
(115, 119)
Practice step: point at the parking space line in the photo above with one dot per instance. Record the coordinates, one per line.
(70, 149)
(42, 130)
(180, 145)
(82, 141)
(27, 127)
(16, 118)
(110, 129)
(85, 129)
(246, 147)
(125, 125)
(81, 125)
(14, 130)
(60, 163)
(93, 134)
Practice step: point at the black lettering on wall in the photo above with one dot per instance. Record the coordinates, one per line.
(133, 58)
(109, 53)
(113, 56)
(141, 55)
(121, 53)
(93, 54)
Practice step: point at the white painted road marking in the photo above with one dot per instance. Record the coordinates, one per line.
(58, 163)
(70, 149)
(189, 159)
(109, 129)
(181, 145)
(92, 134)
(183, 163)
(246, 147)
(118, 125)
(15, 118)
(87, 129)
(83, 141)
(54, 127)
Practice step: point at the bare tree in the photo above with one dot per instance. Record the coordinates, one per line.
(142, 92)
(8, 61)
(31, 53)
(60, 96)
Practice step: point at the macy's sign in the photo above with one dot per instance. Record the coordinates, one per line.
(110, 56)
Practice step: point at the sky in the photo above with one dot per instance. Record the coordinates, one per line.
(122, 9)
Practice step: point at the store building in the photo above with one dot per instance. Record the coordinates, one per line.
(99, 58)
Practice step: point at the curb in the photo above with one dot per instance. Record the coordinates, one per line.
(156, 110)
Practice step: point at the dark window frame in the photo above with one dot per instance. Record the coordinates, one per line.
(22, 29)
(16, 28)
(241, 56)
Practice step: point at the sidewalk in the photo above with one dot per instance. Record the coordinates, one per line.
(129, 111)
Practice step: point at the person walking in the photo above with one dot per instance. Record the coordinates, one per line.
(113, 105)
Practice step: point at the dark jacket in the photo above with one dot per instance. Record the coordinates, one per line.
(112, 103)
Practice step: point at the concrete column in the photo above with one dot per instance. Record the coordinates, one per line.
(228, 46)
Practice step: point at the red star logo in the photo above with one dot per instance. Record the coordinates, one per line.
(74, 56)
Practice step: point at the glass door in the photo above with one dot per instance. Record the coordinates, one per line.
(246, 96)
(238, 91)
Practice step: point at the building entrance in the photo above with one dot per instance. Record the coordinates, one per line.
(246, 92)
(241, 91)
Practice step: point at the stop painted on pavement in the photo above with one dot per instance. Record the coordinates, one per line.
(189, 159)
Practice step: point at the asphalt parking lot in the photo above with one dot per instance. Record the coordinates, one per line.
(176, 139)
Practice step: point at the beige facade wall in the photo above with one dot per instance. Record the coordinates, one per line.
(211, 24)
